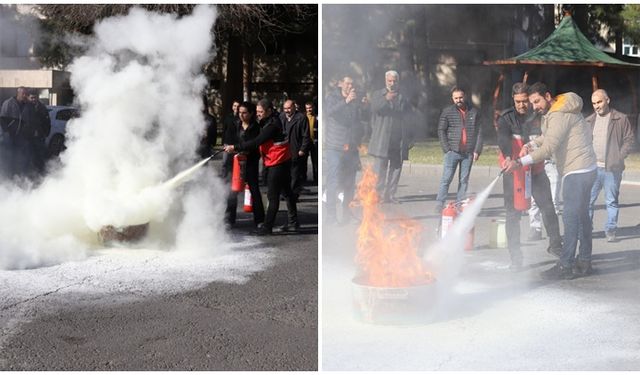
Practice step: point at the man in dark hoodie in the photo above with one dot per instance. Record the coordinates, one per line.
(515, 127)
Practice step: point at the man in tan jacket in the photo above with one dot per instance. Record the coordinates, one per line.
(612, 142)
(566, 136)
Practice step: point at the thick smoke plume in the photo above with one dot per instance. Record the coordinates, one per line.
(138, 87)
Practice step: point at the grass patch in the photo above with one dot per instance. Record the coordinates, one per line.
(429, 152)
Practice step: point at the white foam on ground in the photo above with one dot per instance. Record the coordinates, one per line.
(111, 276)
(487, 327)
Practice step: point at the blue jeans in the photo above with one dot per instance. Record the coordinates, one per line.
(576, 192)
(451, 161)
(611, 183)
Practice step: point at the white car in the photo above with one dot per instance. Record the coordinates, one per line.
(59, 116)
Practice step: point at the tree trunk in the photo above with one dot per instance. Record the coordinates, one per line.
(233, 83)
(247, 72)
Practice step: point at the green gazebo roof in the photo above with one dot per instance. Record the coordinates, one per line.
(565, 46)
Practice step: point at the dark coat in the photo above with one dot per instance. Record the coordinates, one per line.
(511, 123)
(342, 124)
(228, 128)
(450, 130)
(19, 120)
(619, 140)
(297, 129)
(389, 131)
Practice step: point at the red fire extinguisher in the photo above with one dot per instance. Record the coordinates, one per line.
(237, 175)
(521, 180)
(521, 177)
(468, 243)
(449, 214)
(248, 207)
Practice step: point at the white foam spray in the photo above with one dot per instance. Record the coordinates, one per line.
(139, 88)
(446, 257)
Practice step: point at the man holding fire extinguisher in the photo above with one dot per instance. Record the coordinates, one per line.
(515, 126)
(274, 148)
(567, 136)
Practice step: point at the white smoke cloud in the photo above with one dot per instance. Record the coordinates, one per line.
(139, 87)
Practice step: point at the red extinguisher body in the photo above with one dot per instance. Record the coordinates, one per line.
(521, 179)
(449, 214)
(237, 174)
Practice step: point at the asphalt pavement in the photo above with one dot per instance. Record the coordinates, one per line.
(265, 321)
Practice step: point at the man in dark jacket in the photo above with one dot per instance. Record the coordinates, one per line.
(42, 126)
(274, 148)
(459, 131)
(515, 126)
(342, 134)
(612, 142)
(297, 129)
(389, 143)
(18, 122)
(314, 125)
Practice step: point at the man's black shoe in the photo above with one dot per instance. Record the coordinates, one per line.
(263, 231)
(582, 268)
(392, 200)
(557, 272)
(290, 228)
(555, 251)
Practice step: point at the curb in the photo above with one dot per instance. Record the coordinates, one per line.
(418, 169)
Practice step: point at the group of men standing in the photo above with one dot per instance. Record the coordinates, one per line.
(283, 141)
(25, 124)
(540, 131)
(589, 153)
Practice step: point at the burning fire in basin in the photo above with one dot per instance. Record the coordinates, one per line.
(392, 284)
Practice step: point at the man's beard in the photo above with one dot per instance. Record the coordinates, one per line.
(460, 104)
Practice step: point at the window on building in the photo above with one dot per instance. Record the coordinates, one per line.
(626, 50)
(634, 50)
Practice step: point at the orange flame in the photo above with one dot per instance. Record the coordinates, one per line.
(387, 252)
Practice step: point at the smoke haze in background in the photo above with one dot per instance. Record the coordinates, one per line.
(138, 87)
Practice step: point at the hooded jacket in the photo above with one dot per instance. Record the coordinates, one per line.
(566, 135)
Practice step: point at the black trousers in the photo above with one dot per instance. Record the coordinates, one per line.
(278, 182)
(541, 191)
(298, 171)
(251, 178)
(313, 153)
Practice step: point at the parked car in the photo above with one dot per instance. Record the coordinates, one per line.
(59, 115)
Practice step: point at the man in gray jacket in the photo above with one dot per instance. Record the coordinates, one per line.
(612, 142)
(460, 135)
(389, 143)
(566, 135)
